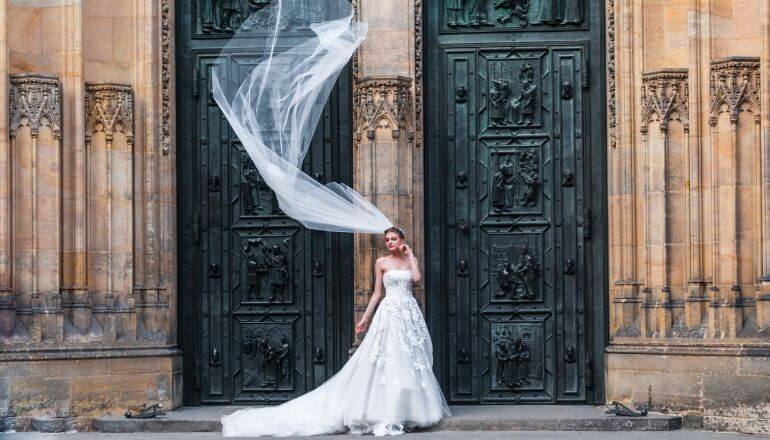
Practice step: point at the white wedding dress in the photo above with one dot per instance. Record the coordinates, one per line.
(385, 388)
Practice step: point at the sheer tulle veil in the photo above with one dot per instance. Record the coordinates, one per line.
(301, 47)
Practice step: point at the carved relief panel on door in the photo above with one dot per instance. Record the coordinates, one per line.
(266, 362)
(516, 267)
(266, 269)
(516, 182)
(518, 360)
(257, 199)
(488, 15)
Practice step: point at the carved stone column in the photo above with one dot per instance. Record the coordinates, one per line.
(153, 174)
(735, 126)
(74, 172)
(7, 312)
(763, 301)
(109, 146)
(75, 294)
(35, 132)
(665, 133)
(693, 170)
(624, 206)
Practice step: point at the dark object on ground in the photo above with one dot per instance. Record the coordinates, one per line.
(621, 410)
(147, 412)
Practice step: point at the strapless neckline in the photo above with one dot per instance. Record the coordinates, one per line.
(398, 270)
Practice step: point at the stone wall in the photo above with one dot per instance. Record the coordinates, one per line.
(87, 209)
(689, 193)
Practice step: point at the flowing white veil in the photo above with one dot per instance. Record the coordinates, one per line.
(275, 110)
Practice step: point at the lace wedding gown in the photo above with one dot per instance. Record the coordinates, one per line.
(386, 387)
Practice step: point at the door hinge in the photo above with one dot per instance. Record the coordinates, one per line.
(196, 82)
(588, 373)
(584, 75)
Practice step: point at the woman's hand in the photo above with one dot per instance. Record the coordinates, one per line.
(406, 250)
(362, 325)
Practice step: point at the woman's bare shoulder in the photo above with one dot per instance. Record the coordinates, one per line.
(380, 262)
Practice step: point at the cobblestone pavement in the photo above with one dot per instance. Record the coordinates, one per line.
(671, 435)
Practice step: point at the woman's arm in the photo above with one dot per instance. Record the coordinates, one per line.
(415, 266)
(374, 300)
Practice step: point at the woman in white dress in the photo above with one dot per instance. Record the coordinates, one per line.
(386, 387)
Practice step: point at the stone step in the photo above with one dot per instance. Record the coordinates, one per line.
(464, 418)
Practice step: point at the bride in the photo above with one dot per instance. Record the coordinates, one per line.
(386, 387)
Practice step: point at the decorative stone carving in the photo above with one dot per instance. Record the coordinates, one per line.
(734, 82)
(379, 98)
(111, 106)
(612, 121)
(165, 75)
(418, 72)
(665, 92)
(35, 101)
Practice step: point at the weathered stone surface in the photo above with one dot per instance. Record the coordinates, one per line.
(39, 396)
(5, 397)
(52, 424)
(688, 325)
(692, 228)
(77, 236)
(715, 390)
(79, 389)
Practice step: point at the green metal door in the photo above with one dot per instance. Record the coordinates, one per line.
(265, 305)
(515, 141)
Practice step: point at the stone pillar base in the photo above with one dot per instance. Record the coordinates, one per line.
(74, 387)
(729, 386)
